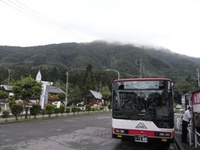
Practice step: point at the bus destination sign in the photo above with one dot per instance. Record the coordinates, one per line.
(141, 85)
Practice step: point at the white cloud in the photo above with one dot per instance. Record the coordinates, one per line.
(172, 24)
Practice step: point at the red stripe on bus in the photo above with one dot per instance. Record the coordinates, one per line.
(141, 132)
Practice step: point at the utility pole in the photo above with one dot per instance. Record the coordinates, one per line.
(8, 75)
(141, 66)
(67, 74)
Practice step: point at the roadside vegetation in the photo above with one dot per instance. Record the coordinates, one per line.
(50, 111)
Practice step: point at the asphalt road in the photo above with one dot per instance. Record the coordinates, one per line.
(90, 132)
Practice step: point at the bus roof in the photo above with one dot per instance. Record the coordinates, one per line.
(142, 79)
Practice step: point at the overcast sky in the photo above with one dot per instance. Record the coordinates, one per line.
(171, 24)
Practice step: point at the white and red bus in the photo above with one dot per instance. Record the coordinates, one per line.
(143, 110)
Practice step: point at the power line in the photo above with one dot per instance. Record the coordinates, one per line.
(42, 19)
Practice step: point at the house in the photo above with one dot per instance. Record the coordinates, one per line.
(7, 88)
(54, 90)
(49, 88)
(93, 98)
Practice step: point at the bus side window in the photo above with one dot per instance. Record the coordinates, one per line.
(115, 101)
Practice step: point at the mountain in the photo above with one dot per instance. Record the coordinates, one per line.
(102, 55)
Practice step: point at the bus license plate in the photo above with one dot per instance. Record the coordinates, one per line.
(142, 139)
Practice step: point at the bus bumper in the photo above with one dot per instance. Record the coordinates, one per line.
(150, 139)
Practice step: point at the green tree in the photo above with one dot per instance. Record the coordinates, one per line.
(62, 109)
(75, 94)
(67, 110)
(3, 95)
(26, 88)
(11, 103)
(43, 112)
(16, 110)
(35, 110)
(50, 109)
(74, 110)
(5, 114)
(187, 85)
(88, 108)
(57, 111)
(61, 97)
(106, 93)
(88, 80)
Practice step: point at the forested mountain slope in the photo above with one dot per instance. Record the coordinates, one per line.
(102, 55)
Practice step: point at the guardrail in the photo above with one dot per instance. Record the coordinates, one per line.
(197, 136)
(189, 135)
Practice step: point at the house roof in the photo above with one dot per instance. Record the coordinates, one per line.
(54, 89)
(50, 89)
(96, 94)
(7, 87)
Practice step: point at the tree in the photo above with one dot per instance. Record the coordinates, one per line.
(5, 114)
(50, 110)
(188, 84)
(74, 110)
(43, 112)
(57, 111)
(26, 88)
(62, 109)
(3, 95)
(16, 110)
(88, 80)
(35, 110)
(75, 94)
(61, 97)
(106, 92)
(88, 108)
(67, 110)
(11, 103)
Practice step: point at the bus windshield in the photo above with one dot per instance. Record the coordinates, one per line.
(142, 100)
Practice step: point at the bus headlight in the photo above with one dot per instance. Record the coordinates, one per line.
(121, 131)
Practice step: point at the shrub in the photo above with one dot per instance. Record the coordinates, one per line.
(67, 110)
(88, 108)
(57, 111)
(35, 110)
(78, 109)
(74, 110)
(93, 109)
(101, 108)
(109, 107)
(16, 110)
(5, 114)
(62, 109)
(12, 103)
(50, 109)
(43, 112)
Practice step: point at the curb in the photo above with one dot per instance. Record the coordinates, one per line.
(178, 143)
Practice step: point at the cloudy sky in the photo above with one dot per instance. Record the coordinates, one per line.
(171, 24)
